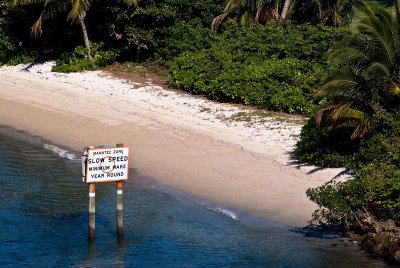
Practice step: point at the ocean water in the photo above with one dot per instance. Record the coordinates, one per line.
(43, 222)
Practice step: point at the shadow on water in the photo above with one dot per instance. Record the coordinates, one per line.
(319, 232)
(43, 222)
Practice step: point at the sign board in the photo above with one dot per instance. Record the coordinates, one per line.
(106, 164)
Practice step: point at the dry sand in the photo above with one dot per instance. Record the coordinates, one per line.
(223, 153)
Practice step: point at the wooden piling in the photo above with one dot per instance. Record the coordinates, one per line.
(120, 215)
(92, 210)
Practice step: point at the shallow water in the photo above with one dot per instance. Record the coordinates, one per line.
(43, 223)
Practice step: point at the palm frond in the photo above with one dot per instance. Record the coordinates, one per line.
(344, 115)
(344, 86)
(234, 5)
(394, 88)
(78, 9)
(36, 30)
(377, 71)
(368, 78)
(380, 32)
(352, 55)
(51, 8)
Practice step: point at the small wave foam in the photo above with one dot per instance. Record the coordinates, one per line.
(60, 152)
(226, 212)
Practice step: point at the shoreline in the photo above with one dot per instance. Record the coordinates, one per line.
(74, 158)
(144, 181)
(185, 142)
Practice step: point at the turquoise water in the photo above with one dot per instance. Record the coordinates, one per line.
(43, 222)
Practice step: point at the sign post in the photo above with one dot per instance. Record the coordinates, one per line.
(106, 163)
(120, 214)
(92, 210)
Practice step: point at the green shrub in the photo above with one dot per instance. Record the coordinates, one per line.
(13, 52)
(333, 201)
(274, 67)
(193, 72)
(277, 84)
(333, 149)
(159, 29)
(7, 46)
(375, 189)
(376, 165)
(183, 36)
(77, 60)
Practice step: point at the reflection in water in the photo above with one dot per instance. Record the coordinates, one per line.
(43, 223)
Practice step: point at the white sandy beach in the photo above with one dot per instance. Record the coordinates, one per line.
(230, 155)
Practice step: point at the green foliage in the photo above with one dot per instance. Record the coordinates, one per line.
(77, 61)
(383, 146)
(183, 36)
(380, 183)
(333, 200)
(274, 67)
(328, 12)
(363, 100)
(368, 83)
(7, 47)
(334, 149)
(13, 52)
(375, 189)
(17, 46)
(376, 163)
(134, 33)
(162, 28)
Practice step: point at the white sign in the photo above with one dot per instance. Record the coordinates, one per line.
(107, 164)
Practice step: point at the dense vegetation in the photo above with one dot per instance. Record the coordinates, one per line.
(292, 56)
(359, 128)
(274, 67)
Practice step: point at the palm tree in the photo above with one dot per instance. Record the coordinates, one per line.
(77, 14)
(337, 12)
(257, 11)
(285, 9)
(395, 4)
(369, 81)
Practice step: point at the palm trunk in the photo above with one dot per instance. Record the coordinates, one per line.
(285, 9)
(261, 15)
(217, 21)
(85, 37)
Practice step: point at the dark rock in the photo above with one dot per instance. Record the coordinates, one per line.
(369, 244)
(353, 236)
(378, 238)
(379, 250)
(394, 248)
(397, 256)
(388, 225)
(383, 239)
(377, 228)
(371, 236)
(363, 237)
(396, 231)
